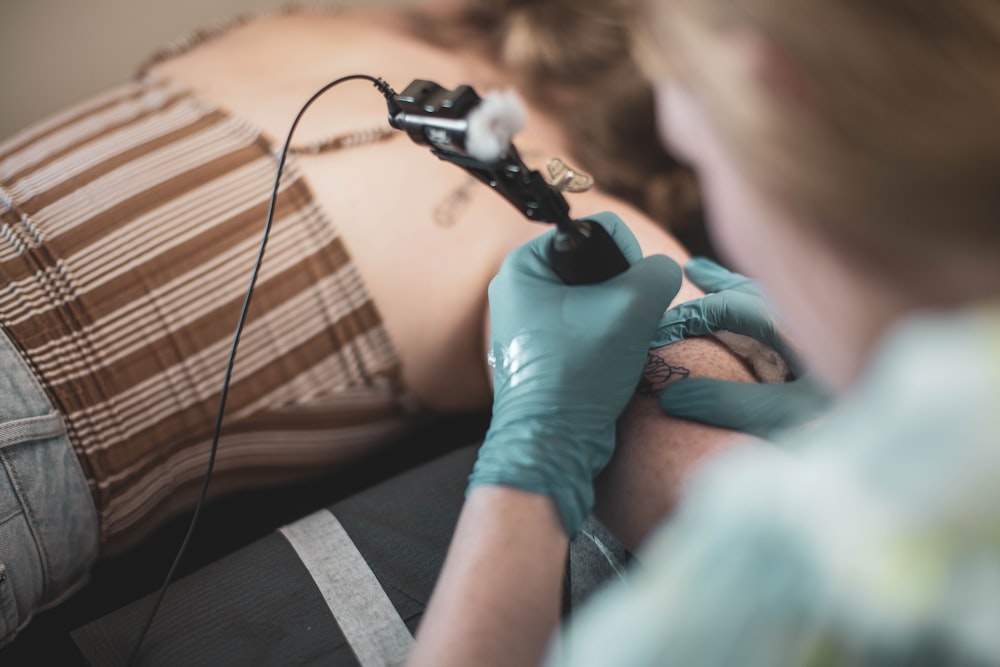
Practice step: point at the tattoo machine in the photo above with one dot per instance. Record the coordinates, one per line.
(475, 133)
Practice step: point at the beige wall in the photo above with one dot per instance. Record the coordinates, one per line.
(54, 52)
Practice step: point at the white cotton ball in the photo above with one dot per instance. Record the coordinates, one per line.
(492, 124)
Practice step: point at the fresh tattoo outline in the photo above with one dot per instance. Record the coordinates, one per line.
(657, 372)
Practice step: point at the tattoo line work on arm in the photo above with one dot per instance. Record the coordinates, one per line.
(657, 373)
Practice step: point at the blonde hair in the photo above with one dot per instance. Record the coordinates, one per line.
(876, 122)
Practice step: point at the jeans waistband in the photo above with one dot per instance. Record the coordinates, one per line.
(48, 525)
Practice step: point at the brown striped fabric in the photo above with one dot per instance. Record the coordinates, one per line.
(130, 225)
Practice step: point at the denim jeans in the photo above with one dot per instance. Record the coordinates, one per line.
(48, 524)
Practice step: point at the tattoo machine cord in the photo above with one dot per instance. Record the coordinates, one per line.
(388, 93)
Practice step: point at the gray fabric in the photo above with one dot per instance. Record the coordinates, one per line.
(361, 608)
(596, 558)
(260, 605)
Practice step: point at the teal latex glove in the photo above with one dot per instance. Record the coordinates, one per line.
(735, 303)
(566, 360)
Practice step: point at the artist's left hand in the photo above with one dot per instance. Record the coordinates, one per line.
(736, 303)
(566, 361)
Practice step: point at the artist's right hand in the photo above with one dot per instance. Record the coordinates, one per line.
(566, 361)
(735, 303)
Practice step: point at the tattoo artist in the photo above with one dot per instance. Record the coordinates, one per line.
(857, 179)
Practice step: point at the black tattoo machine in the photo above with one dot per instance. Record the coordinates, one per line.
(475, 133)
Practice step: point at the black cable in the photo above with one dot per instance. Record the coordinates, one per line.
(388, 93)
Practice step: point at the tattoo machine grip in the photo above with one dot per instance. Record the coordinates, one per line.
(583, 253)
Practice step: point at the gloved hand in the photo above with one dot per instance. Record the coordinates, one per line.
(735, 303)
(566, 360)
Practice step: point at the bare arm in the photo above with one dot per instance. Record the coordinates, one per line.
(497, 601)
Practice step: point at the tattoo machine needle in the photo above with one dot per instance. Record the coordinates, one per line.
(475, 133)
